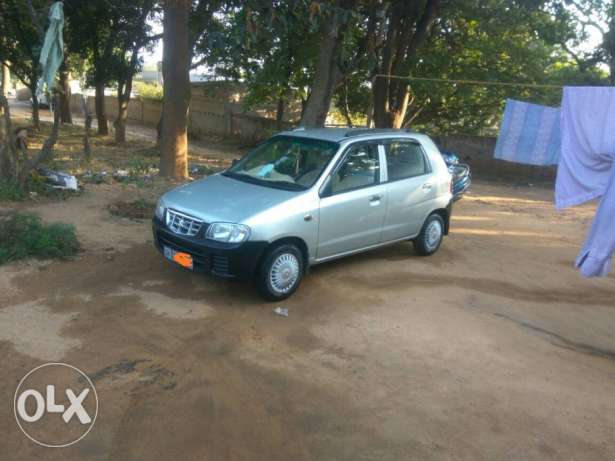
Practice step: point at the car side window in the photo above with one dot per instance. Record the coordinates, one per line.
(405, 159)
(360, 168)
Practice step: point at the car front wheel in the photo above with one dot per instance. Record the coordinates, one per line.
(430, 238)
(280, 272)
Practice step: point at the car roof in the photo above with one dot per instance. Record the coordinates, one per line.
(344, 134)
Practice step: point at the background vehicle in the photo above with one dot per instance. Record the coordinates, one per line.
(305, 197)
(462, 177)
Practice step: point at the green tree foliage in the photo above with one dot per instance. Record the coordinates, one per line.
(22, 23)
(585, 18)
(482, 41)
(269, 45)
(109, 35)
(490, 40)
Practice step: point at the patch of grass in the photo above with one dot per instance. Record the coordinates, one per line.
(153, 151)
(23, 235)
(137, 209)
(202, 170)
(138, 166)
(10, 191)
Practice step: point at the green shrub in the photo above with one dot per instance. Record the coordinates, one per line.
(11, 191)
(149, 90)
(23, 235)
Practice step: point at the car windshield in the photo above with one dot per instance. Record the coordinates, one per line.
(286, 162)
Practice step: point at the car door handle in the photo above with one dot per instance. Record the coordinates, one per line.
(426, 187)
(374, 200)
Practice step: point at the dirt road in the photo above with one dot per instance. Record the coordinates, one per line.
(494, 348)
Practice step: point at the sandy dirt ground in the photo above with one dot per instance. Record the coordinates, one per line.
(494, 348)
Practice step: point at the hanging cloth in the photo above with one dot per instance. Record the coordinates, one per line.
(529, 134)
(587, 169)
(52, 53)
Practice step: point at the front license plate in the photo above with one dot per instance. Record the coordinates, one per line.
(183, 259)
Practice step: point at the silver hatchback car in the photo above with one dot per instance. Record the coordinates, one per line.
(304, 197)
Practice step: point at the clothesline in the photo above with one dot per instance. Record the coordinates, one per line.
(471, 82)
(26, 10)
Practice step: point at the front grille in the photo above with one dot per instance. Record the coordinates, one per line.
(182, 224)
(204, 260)
(220, 264)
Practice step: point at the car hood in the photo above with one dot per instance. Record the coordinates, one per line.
(219, 198)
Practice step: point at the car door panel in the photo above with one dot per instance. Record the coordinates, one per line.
(406, 208)
(351, 220)
(411, 190)
(352, 214)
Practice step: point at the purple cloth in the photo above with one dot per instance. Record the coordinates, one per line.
(595, 258)
(587, 169)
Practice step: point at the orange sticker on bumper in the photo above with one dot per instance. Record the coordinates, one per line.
(183, 259)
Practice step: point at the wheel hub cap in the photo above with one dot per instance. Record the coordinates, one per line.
(433, 235)
(284, 272)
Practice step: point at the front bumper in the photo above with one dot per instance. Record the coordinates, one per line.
(223, 260)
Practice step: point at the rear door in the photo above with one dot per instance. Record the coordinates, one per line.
(410, 187)
(353, 202)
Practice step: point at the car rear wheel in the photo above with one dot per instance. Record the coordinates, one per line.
(430, 238)
(280, 272)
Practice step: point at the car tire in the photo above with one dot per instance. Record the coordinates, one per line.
(430, 238)
(280, 272)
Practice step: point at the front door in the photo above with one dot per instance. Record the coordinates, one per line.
(353, 205)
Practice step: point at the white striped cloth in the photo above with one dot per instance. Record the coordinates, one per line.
(529, 134)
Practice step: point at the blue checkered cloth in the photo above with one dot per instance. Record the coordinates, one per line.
(529, 134)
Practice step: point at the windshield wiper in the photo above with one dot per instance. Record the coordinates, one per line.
(263, 182)
(287, 185)
(242, 176)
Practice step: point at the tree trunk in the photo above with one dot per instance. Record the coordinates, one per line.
(159, 129)
(120, 121)
(65, 114)
(370, 111)
(124, 90)
(87, 150)
(103, 126)
(346, 108)
(327, 74)
(6, 79)
(46, 151)
(405, 35)
(36, 120)
(175, 69)
(7, 147)
(398, 113)
(279, 114)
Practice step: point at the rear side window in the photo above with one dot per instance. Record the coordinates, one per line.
(405, 159)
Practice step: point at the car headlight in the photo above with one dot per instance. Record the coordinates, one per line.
(160, 208)
(228, 232)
